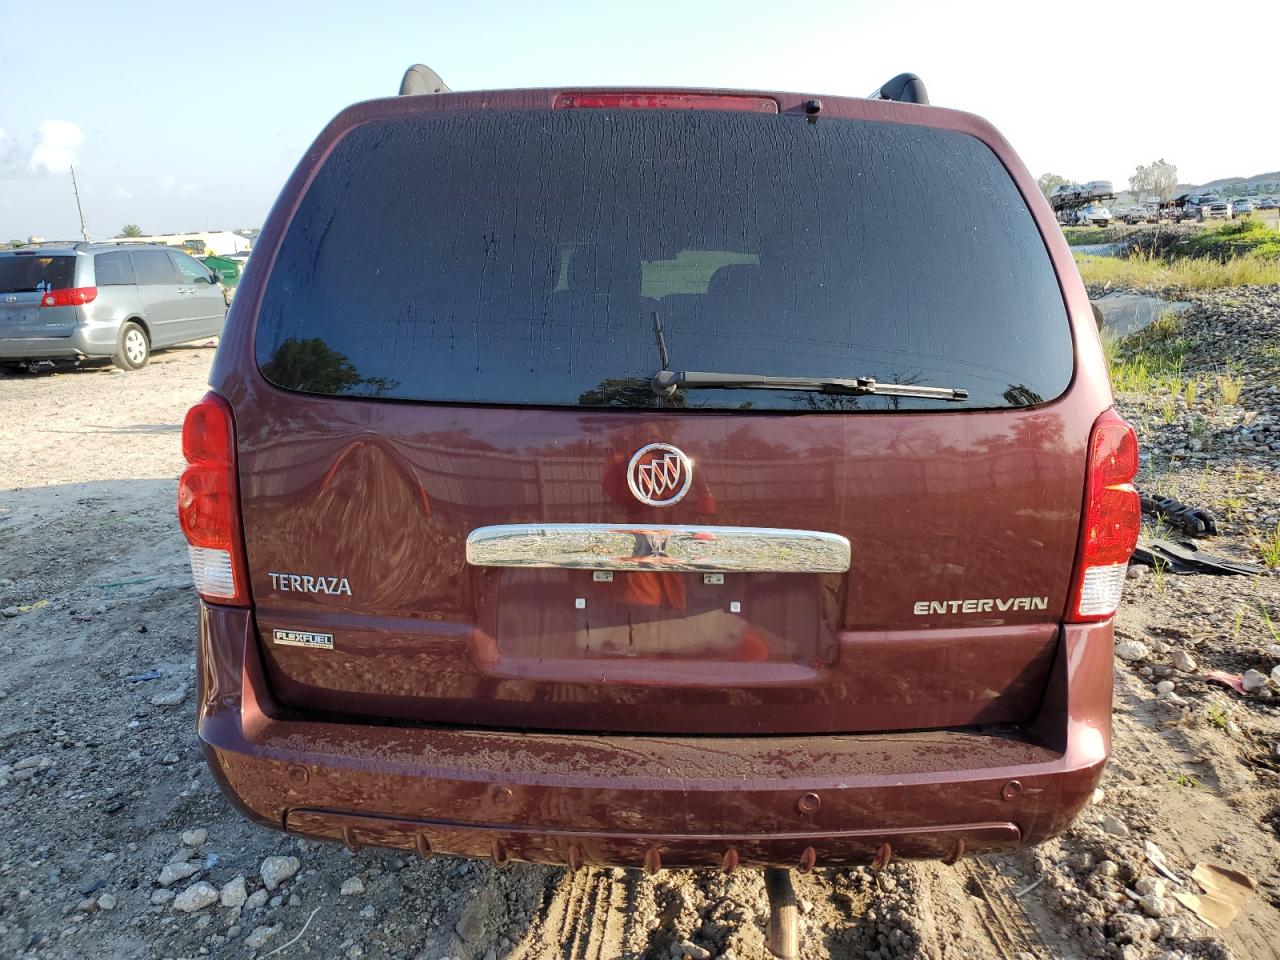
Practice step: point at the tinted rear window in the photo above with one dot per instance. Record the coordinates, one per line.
(27, 274)
(113, 269)
(530, 258)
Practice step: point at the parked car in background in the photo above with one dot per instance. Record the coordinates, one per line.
(704, 569)
(1268, 203)
(1098, 188)
(63, 303)
(1066, 191)
(1095, 214)
(1242, 207)
(1206, 207)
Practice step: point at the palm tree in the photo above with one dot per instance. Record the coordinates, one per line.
(131, 230)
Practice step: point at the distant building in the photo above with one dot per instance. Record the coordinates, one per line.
(219, 242)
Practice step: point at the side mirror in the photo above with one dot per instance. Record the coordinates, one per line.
(215, 279)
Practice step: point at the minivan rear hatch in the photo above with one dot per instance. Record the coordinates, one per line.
(459, 484)
(26, 279)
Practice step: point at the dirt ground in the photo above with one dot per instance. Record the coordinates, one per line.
(110, 824)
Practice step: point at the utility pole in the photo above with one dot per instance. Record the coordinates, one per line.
(84, 231)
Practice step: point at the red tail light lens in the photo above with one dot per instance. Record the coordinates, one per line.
(71, 297)
(209, 503)
(1112, 517)
(664, 101)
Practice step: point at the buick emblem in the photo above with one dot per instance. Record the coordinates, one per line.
(10, 299)
(659, 475)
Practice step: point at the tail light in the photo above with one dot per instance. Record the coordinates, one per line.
(664, 101)
(1112, 516)
(71, 297)
(209, 503)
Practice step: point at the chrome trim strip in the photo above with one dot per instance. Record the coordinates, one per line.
(607, 546)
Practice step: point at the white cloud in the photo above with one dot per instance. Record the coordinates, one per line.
(122, 193)
(57, 146)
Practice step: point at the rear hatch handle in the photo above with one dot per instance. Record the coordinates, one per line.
(666, 382)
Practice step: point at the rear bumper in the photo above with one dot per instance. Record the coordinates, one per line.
(655, 801)
(86, 340)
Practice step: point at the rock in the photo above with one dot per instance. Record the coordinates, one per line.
(352, 887)
(1272, 649)
(1253, 681)
(805, 906)
(106, 901)
(295, 900)
(1184, 662)
(87, 905)
(1164, 687)
(276, 870)
(233, 893)
(1154, 906)
(1114, 826)
(169, 759)
(368, 913)
(173, 872)
(195, 897)
(1107, 868)
(170, 698)
(470, 925)
(10, 611)
(685, 949)
(1136, 572)
(195, 838)
(1275, 675)
(259, 937)
(161, 896)
(1097, 796)
(257, 900)
(1150, 886)
(1132, 650)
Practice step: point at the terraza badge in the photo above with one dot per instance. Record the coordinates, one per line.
(299, 583)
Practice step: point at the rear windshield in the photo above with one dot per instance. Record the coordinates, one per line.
(565, 257)
(27, 274)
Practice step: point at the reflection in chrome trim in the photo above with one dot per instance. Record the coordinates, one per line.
(604, 546)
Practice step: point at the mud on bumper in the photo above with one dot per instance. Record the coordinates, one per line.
(655, 801)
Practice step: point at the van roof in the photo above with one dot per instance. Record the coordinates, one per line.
(72, 247)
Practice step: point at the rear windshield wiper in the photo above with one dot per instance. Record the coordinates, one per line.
(666, 382)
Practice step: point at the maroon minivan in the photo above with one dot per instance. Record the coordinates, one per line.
(659, 478)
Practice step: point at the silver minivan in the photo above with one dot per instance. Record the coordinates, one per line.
(64, 303)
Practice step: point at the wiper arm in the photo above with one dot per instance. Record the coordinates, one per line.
(667, 382)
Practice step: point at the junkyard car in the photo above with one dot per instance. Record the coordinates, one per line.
(65, 303)
(659, 478)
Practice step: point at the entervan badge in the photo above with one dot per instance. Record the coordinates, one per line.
(659, 474)
(303, 638)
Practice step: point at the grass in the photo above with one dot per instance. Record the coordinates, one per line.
(1077, 236)
(1229, 388)
(1149, 358)
(1190, 391)
(1140, 270)
(1217, 716)
(1269, 547)
(1248, 237)
(1269, 624)
(1230, 505)
(1182, 780)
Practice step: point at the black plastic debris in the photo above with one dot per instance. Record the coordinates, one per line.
(1186, 558)
(1193, 521)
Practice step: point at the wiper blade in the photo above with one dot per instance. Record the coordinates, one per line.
(667, 382)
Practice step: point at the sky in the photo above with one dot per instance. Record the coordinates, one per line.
(191, 117)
